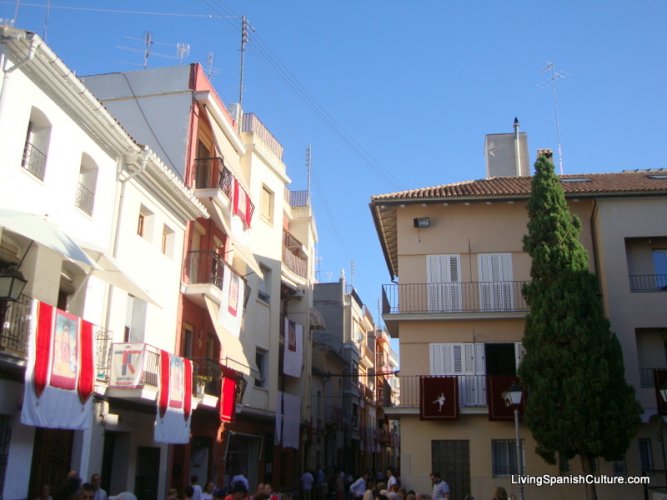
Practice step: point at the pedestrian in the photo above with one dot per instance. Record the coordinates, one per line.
(307, 481)
(391, 478)
(241, 478)
(87, 491)
(196, 488)
(500, 494)
(96, 481)
(369, 493)
(358, 488)
(440, 487)
(207, 494)
(188, 492)
(238, 491)
(172, 494)
(45, 493)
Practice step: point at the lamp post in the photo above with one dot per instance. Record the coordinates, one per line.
(12, 283)
(513, 395)
(663, 395)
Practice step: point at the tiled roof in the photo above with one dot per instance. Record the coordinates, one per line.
(621, 184)
(639, 181)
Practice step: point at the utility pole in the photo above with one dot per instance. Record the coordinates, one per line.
(244, 42)
(309, 167)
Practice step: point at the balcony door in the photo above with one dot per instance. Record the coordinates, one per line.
(443, 287)
(467, 362)
(495, 282)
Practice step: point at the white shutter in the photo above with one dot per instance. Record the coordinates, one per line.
(443, 282)
(441, 359)
(495, 281)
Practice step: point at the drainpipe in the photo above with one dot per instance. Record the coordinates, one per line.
(7, 34)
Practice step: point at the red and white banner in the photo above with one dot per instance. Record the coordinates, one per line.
(231, 304)
(293, 351)
(127, 365)
(172, 422)
(228, 396)
(242, 209)
(438, 398)
(60, 374)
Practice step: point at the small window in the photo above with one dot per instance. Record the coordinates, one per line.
(261, 362)
(618, 468)
(135, 320)
(504, 457)
(188, 341)
(266, 204)
(36, 144)
(264, 287)
(145, 223)
(564, 465)
(85, 192)
(167, 241)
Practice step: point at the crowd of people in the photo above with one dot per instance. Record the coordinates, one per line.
(313, 486)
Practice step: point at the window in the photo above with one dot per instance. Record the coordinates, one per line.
(645, 455)
(188, 341)
(85, 192)
(618, 468)
(135, 320)
(443, 282)
(36, 144)
(503, 455)
(145, 223)
(660, 268)
(266, 204)
(261, 362)
(495, 281)
(264, 288)
(167, 240)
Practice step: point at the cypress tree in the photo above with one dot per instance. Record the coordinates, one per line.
(578, 402)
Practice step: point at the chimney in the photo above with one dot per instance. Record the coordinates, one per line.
(507, 154)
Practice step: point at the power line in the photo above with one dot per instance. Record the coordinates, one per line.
(114, 11)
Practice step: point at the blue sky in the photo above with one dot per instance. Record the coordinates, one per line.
(395, 95)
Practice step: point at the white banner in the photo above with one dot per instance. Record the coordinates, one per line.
(231, 305)
(293, 351)
(127, 365)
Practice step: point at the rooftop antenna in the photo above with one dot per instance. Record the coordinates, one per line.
(309, 168)
(46, 20)
(210, 69)
(16, 11)
(182, 51)
(148, 41)
(553, 76)
(352, 273)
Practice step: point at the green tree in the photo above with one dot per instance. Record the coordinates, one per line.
(578, 402)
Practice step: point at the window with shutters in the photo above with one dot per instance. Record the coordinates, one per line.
(495, 282)
(467, 362)
(504, 459)
(443, 282)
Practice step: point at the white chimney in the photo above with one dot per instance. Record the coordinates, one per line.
(507, 154)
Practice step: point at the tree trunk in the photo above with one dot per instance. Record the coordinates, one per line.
(587, 469)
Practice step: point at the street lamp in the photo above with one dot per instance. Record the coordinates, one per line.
(12, 283)
(512, 396)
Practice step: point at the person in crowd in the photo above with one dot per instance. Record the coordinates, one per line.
(500, 494)
(188, 492)
(172, 494)
(307, 481)
(440, 487)
(96, 481)
(44, 493)
(87, 491)
(358, 488)
(241, 478)
(70, 486)
(209, 488)
(238, 492)
(259, 492)
(391, 477)
(270, 494)
(219, 494)
(196, 488)
(369, 493)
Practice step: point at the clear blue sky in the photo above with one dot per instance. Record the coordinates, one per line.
(394, 94)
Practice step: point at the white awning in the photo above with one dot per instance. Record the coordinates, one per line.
(245, 254)
(107, 268)
(234, 355)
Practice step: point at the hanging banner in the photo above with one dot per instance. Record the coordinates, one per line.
(242, 209)
(291, 420)
(172, 422)
(231, 304)
(60, 373)
(127, 365)
(228, 396)
(438, 398)
(293, 350)
(500, 406)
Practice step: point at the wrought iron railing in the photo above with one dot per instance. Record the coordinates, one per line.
(299, 198)
(472, 391)
(648, 282)
(207, 377)
(501, 296)
(212, 173)
(14, 323)
(204, 266)
(85, 199)
(103, 341)
(34, 161)
(292, 256)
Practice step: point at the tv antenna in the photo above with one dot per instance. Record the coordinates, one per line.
(309, 169)
(553, 76)
(210, 69)
(182, 49)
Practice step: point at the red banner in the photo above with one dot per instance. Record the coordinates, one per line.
(438, 398)
(500, 407)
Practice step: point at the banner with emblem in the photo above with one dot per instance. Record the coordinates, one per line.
(60, 372)
(172, 422)
(127, 365)
(438, 397)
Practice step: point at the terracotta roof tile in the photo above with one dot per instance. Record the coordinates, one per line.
(640, 181)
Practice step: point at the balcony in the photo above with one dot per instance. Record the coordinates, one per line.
(34, 161)
(85, 199)
(472, 391)
(204, 271)
(293, 256)
(453, 298)
(207, 377)
(648, 282)
(211, 173)
(14, 328)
